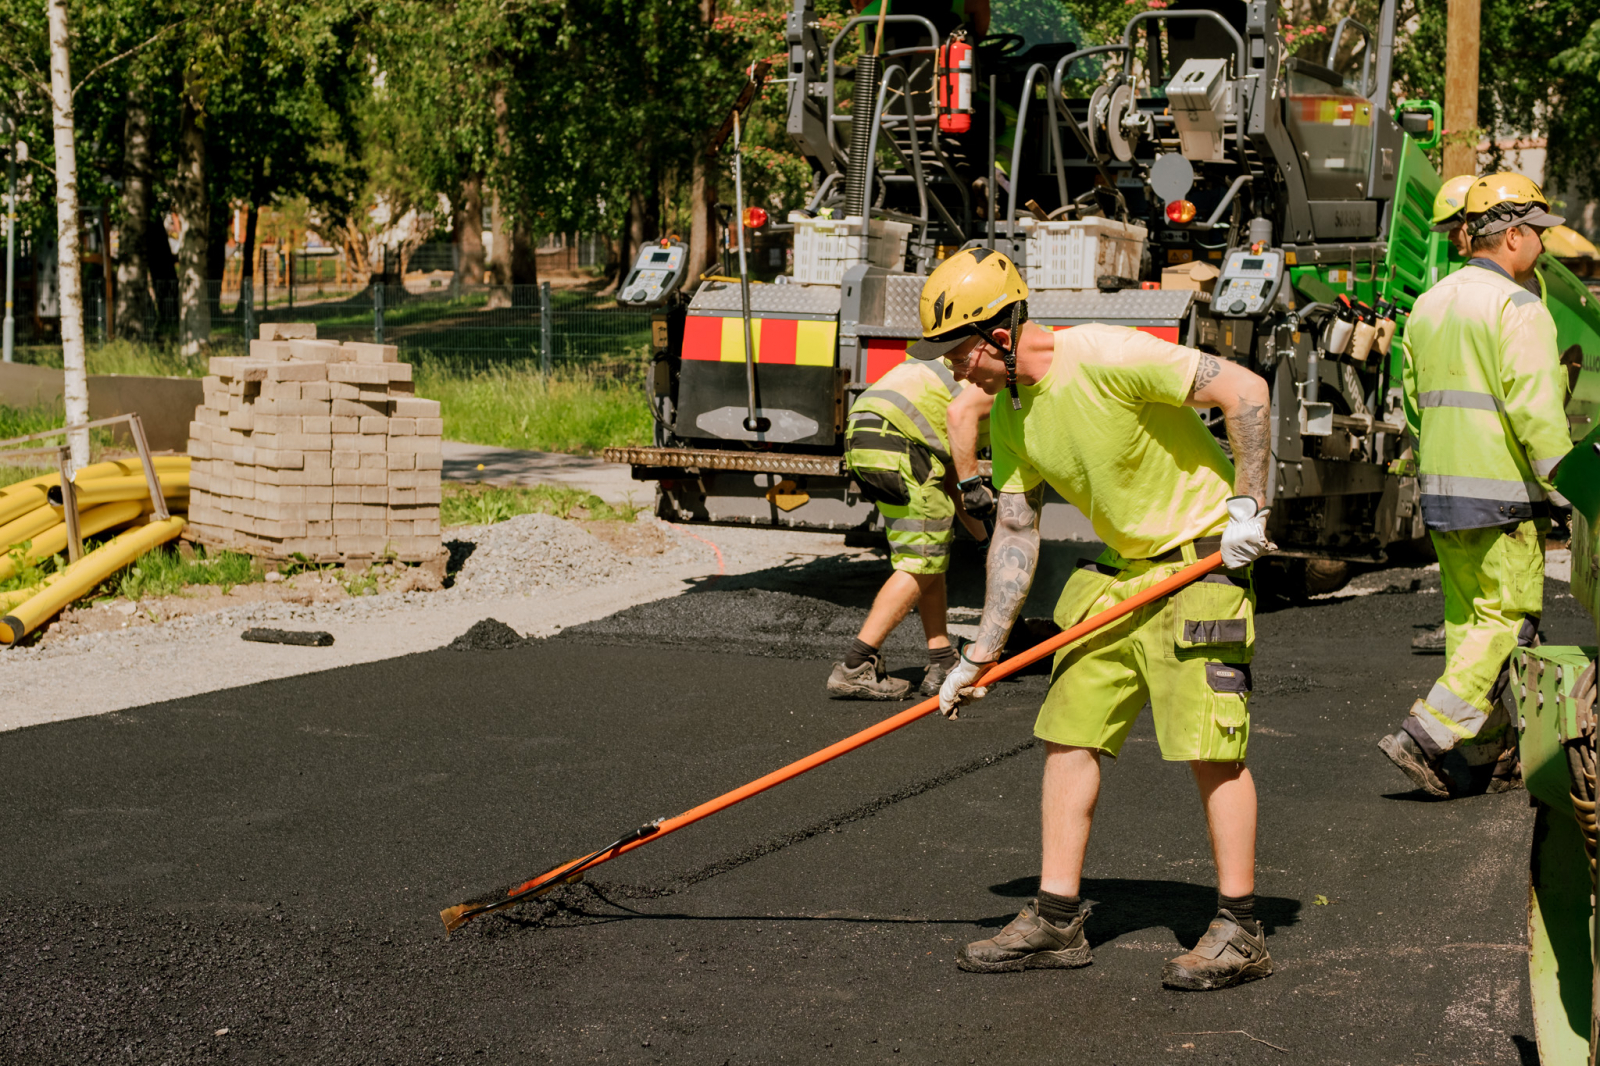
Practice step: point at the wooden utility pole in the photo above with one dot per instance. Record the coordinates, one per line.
(1461, 88)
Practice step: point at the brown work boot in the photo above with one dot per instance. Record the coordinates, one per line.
(1507, 774)
(1429, 642)
(1415, 764)
(1029, 942)
(1226, 956)
(869, 681)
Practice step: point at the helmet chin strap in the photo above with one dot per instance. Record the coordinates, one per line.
(1009, 355)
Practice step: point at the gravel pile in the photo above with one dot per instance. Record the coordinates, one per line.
(538, 551)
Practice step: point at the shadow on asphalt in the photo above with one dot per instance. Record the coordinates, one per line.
(852, 581)
(1127, 905)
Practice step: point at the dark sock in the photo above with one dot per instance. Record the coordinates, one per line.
(860, 651)
(945, 657)
(1059, 911)
(1243, 909)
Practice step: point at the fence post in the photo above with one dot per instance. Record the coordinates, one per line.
(377, 309)
(247, 307)
(544, 326)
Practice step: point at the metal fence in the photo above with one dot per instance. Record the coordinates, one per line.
(465, 327)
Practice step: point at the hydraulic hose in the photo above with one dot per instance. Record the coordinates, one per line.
(457, 916)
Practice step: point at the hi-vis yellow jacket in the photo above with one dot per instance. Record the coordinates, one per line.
(1485, 398)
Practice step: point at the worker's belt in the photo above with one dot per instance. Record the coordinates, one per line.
(1203, 546)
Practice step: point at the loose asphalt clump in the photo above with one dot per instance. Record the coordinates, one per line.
(491, 634)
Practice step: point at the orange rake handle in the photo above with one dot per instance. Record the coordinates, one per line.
(1000, 671)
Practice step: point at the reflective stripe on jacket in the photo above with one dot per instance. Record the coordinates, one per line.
(913, 398)
(1484, 397)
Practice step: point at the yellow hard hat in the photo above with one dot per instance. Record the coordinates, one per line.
(1450, 202)
(1500, 201)
(969, 288)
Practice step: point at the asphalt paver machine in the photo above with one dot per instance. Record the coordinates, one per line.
(1553, 694)
(1192, 179)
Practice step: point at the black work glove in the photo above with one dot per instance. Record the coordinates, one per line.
(976, 498)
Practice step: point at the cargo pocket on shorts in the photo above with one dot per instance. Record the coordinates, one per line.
(1228, 686)
(1214, 618)
(1088, 583)
(887, 487)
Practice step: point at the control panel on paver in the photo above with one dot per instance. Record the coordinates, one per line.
(1248, 283)
(657, 273)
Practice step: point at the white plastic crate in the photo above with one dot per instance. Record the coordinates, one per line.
(1076, 254)
(824, 248)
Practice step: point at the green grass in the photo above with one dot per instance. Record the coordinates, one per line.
(29, 572)
(477, 504)
(10, 473)
(566, 411)
(24, 421)
(125, 357)
(579, 410)
(165, 572)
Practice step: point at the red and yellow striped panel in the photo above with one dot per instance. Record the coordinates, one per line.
(777, 341)
(884, 354)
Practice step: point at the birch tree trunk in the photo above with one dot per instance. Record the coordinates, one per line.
(76, 386)
(133, 269)
(194, 307)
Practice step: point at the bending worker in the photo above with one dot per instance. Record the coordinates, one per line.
(1106, 415)
(1484, 399)
(899, 443)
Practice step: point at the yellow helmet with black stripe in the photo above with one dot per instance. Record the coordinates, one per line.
(968, 289)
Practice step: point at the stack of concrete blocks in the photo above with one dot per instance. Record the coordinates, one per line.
(315, 448)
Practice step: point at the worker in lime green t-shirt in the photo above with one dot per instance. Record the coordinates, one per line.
(1107, 417)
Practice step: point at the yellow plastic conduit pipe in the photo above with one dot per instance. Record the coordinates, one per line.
(111, 489)
(30, 525)
(16, 500)
(10, 599)
(84, 575)
(95, 520)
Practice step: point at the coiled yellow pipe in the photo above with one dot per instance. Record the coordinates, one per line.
(54, 539)
(17, 500)
(111, 489)
(85, 574)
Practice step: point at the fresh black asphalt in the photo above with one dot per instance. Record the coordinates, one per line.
(255, 875)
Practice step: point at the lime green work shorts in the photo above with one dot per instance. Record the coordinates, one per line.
(905, 481)
(1187, 654)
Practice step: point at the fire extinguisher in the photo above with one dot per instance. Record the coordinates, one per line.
(954, 74)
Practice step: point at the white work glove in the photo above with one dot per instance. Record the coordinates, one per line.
(958, 685)
(1245, 538)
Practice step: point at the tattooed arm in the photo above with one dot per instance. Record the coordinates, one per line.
(1246, 411)
(1013, 558)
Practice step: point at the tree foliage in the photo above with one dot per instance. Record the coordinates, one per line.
(583, 114)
